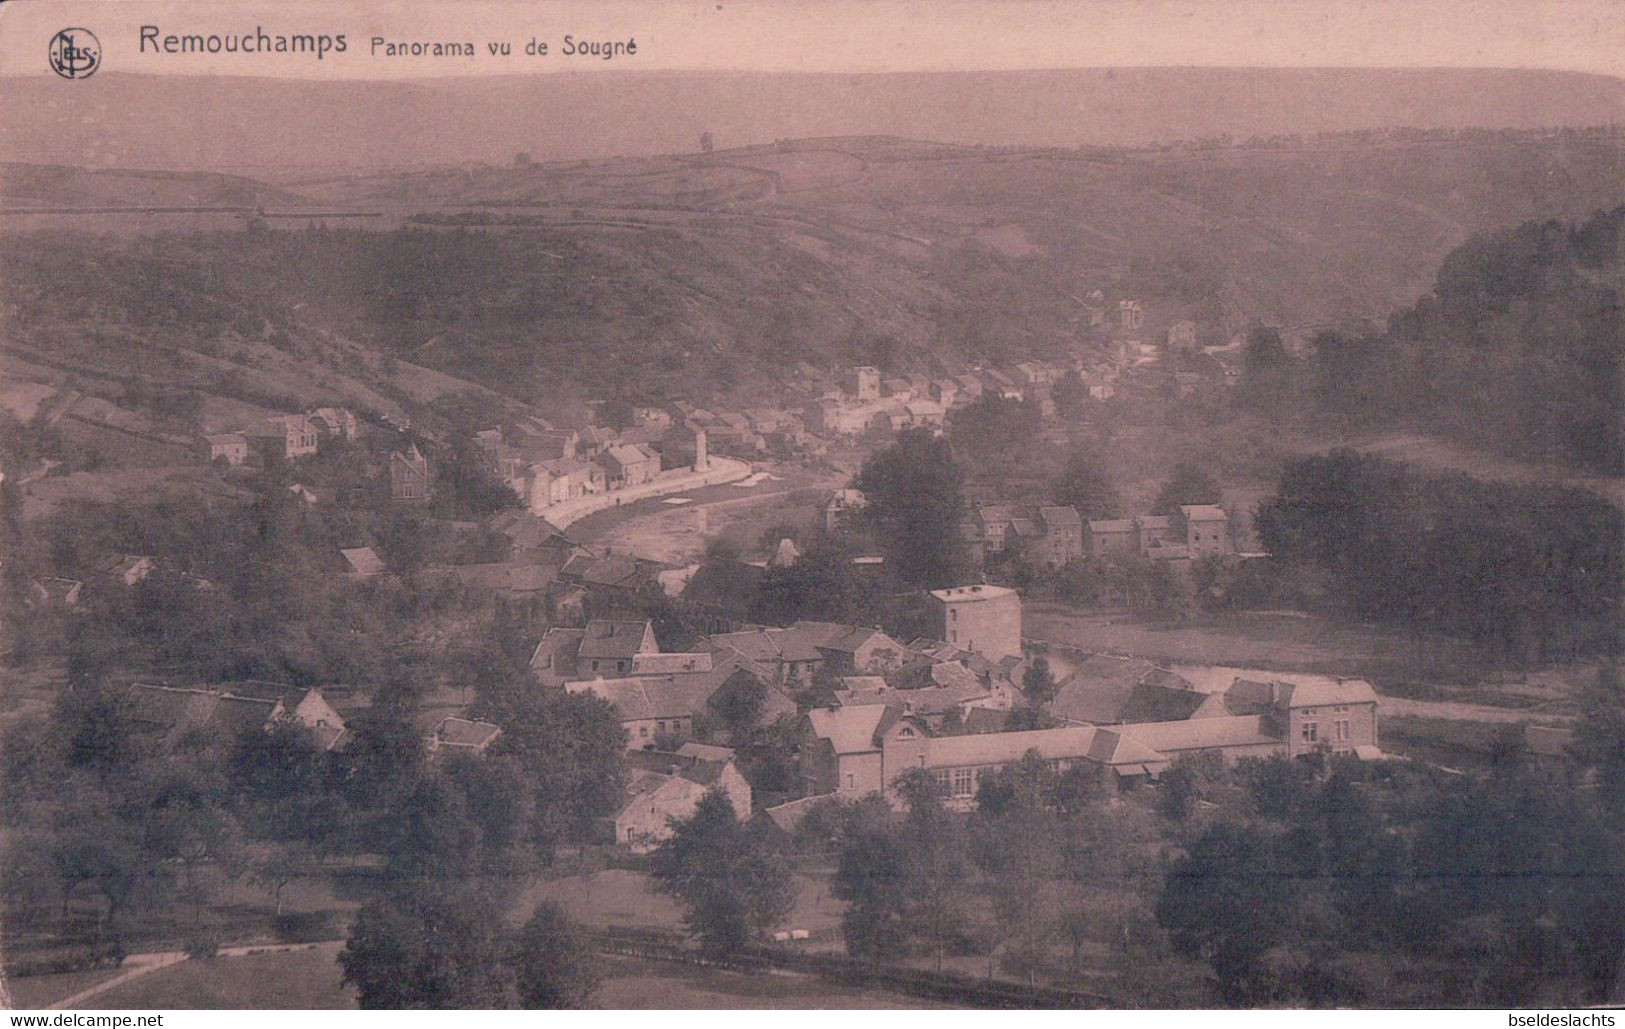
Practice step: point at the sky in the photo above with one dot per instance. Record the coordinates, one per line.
(845, 36)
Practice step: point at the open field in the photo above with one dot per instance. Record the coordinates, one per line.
(636, 984)
(285, 979)
(620, 897)
(41, 991)
(1282, 641)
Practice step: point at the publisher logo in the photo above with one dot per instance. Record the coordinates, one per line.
(75, 53)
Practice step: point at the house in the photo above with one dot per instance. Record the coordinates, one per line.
(667, 786)
(1154, 532)
(1207, 530)
(461, 736)
(285, 435)
(1313, 712)
(232, 446)
(166, 717)
(999, 384)
(304, 704)
(652, 707)
(1182, 335)
(924, 414)
(361, 562)
(553, 662)
(840, 507)
(128, 569)
(337, 422)
(50, 591)
(1130, 315)
(684, 446)
(511, 580)
(855, 649)
(897, 388)
(1099, 689)
(303, 493)
(607, 646)
(1062, 535)
(863, 383)
(992, 523)
(945, 392)
(408, 475)
(983, 619)
(970, 387)
(628, 465)
(840, 751)
(937, 705)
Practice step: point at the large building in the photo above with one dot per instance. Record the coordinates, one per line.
(854, 750)
(982, 619)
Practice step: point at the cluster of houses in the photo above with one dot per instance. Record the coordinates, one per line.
(547, 465)
(1198, 530)
(289, 437)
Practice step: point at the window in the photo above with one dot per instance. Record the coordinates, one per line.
(1342, 731)
(595, 666)
(643, 730)
(662, 726)
(1310, 732)
(964, 782)
(851, 780)
(953, 614)
(953, 635)
(906, 732)
(940, 778)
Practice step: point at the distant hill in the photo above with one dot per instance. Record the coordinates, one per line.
(55, 185)
(266, 128)
(725, 274)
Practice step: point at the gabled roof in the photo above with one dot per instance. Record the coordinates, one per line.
(1057, 517)
(648, 696)
(672, 664)
(558, 643)
(1320, 691)
(233, 715)
(505, 576)
(788, 816)
(462, 732)
(1147, 702)
(615, 638)
(851, 730)
(1203, 513)
(363, 561)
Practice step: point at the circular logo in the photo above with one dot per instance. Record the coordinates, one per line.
(75, 53)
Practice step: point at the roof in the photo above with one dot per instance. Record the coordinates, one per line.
(615, 638)
(626, 454)
(1001, 748)
(1148, 702)
(505, 576)
(1200, 733)
(1060, 516)
(224, 439)
(462, 732)
(788, 816)
(647, 696)
(1318, 691)
(705, 752)
(1204, 513)
(851, 730)
(233, 714)
(671, 664)
(1111, 525)
(985, 719)
(1112, 747)
(1099, 688)
(558, 642)
(930, 700)
(363, 560)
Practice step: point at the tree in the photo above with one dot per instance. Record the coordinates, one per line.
(553, 960)
(872, 880)
(913, 490)
(1085, 485)
(1038, 682)
(1190, 484)
(1070, 394)
(731, 884)
(1228, 903)
(429, 946)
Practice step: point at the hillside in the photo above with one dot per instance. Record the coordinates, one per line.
(193, 122)
(712, 273)
(54, 185)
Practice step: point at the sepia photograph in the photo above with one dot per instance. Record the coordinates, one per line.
(726, 505)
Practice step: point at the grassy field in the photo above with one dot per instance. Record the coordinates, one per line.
(635, 984)
(619, 897)
(40, 991)
(1279, 641)
(287, 979)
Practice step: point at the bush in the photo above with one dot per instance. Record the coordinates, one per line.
(304, 926)
(202, 945)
